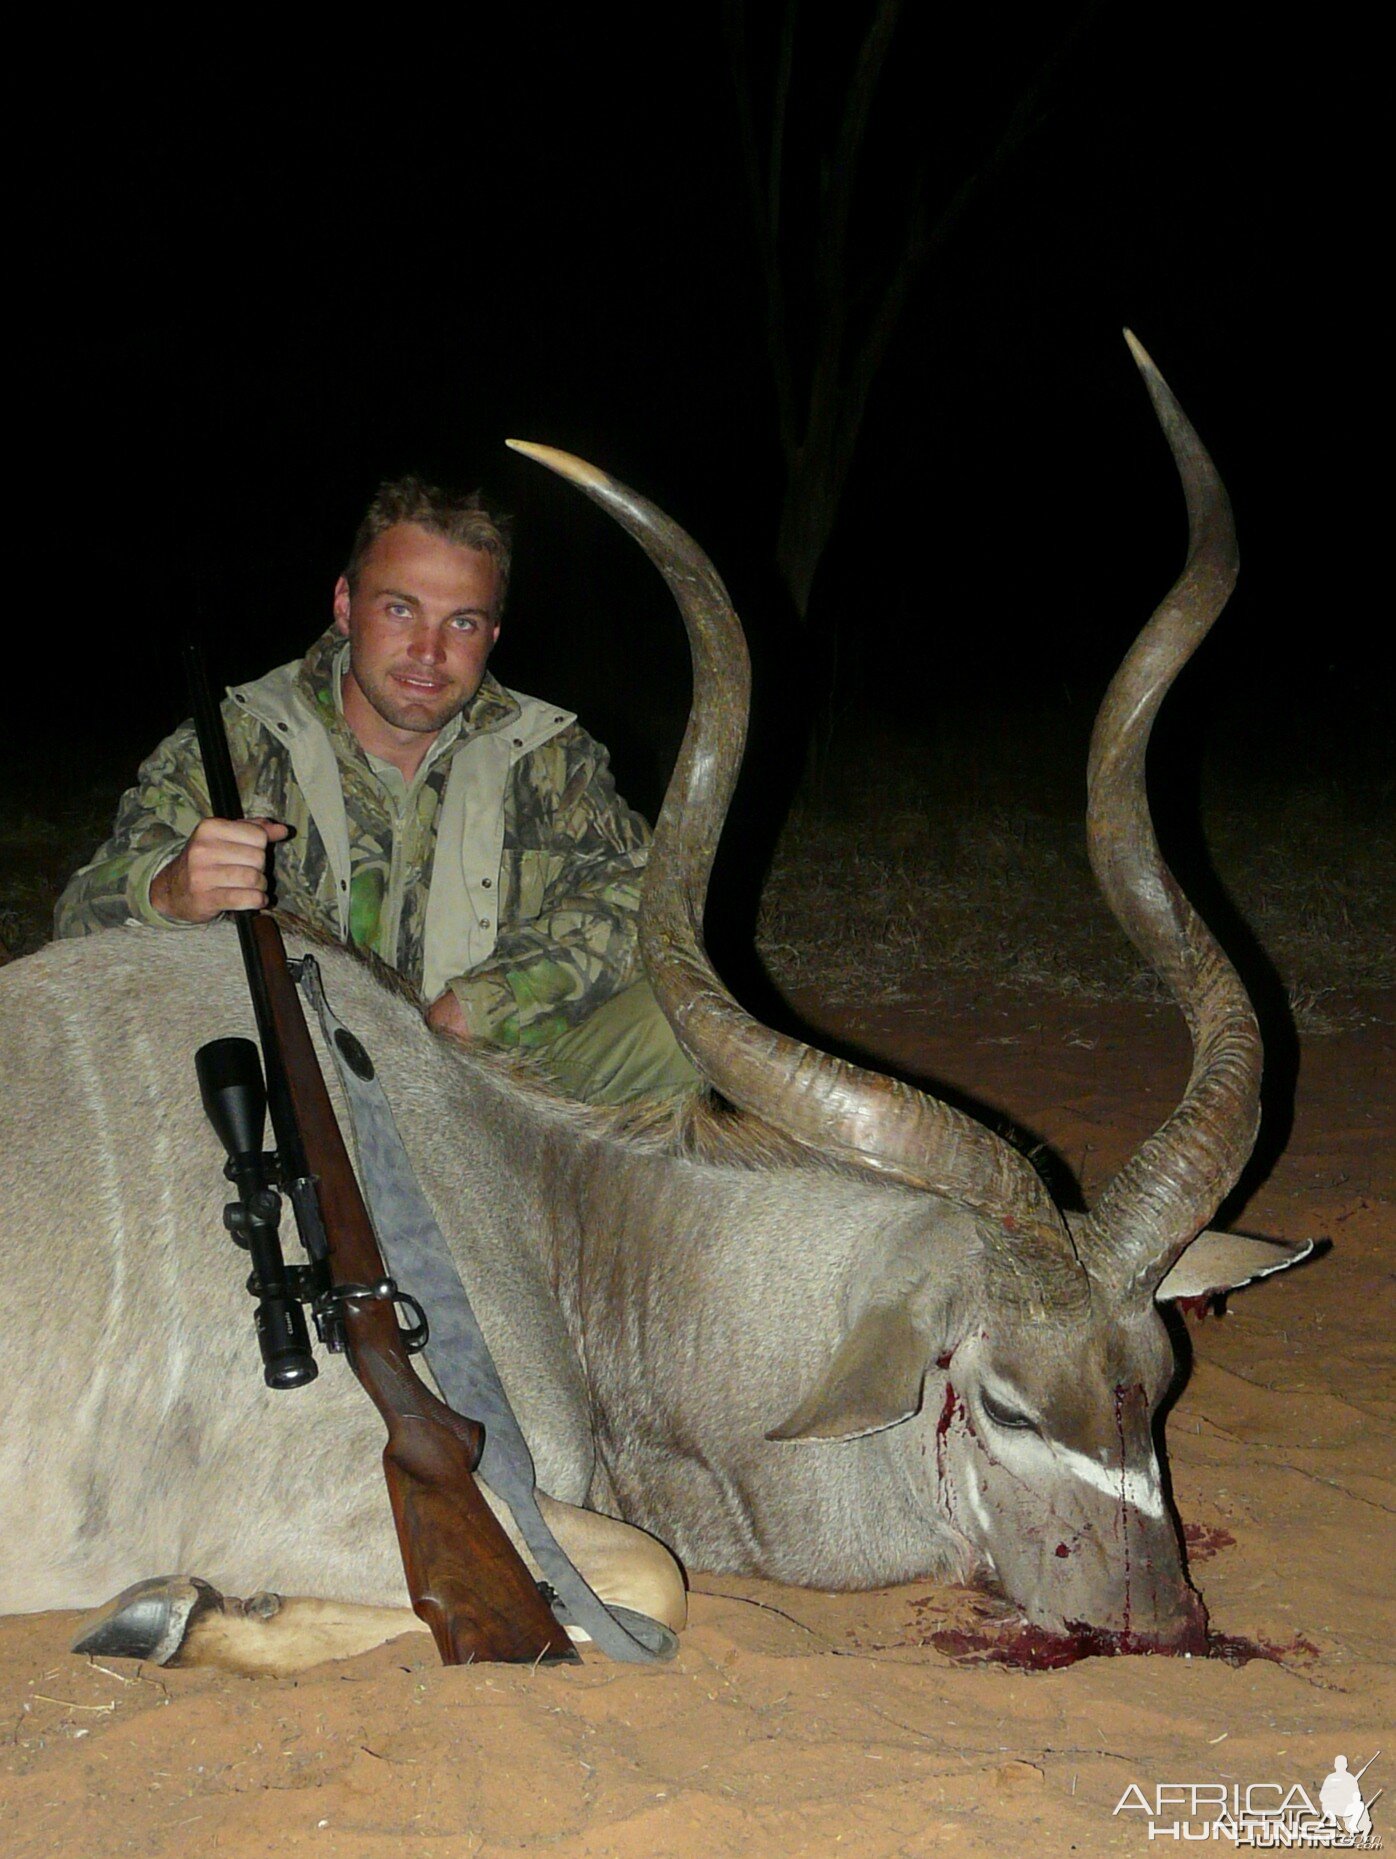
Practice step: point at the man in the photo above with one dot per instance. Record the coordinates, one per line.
(469, 835)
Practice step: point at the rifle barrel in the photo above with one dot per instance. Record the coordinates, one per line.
(224, 799)
(226, 803)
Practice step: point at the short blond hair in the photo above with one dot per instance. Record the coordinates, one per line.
(458, 516)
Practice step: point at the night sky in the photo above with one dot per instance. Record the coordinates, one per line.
(264, 269)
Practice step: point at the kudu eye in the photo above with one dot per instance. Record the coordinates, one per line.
(1008, 1417)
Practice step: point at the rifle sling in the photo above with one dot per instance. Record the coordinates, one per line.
(418, 1257)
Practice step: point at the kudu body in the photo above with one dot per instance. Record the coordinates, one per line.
(838, 1334)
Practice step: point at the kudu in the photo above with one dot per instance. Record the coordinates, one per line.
(822, 1328)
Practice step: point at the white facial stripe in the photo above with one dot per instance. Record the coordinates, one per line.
(1020, 1452)
(976, 1502)
(1142, 1489)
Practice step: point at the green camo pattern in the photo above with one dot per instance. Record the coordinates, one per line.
(570, 875)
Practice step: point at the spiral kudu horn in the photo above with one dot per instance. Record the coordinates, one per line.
(1173, 1184)
(826, 1103)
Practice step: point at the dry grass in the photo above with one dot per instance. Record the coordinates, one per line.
(903, 888)
(42, 840)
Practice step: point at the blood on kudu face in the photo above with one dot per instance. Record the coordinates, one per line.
(1051, 1476)
(421, 625)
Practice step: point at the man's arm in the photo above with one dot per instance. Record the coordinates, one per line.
(551, 970)
(165, 861)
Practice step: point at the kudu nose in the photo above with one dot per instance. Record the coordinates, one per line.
(1158, 1606)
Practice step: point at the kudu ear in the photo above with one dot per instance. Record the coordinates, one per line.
(1225, 1261)
(873, 1382)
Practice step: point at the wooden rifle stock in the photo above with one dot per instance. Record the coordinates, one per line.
(466, 1580)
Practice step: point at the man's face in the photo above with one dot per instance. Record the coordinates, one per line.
(421, 627)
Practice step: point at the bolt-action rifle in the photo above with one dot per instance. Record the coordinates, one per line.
(465, 1578)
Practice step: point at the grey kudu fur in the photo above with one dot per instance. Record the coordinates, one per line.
(840, 1337)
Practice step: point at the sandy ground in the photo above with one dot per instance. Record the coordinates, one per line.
(795, 1723)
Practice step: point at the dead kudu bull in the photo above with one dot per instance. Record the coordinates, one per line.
(839, 1335)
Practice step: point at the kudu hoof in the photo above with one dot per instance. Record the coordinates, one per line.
(152, 1620)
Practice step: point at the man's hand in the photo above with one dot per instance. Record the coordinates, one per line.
(223, 867)
(448, 1016)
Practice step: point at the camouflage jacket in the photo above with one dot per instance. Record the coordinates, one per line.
(508, 868)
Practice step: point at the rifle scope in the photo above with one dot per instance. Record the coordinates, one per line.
(235, 1100)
